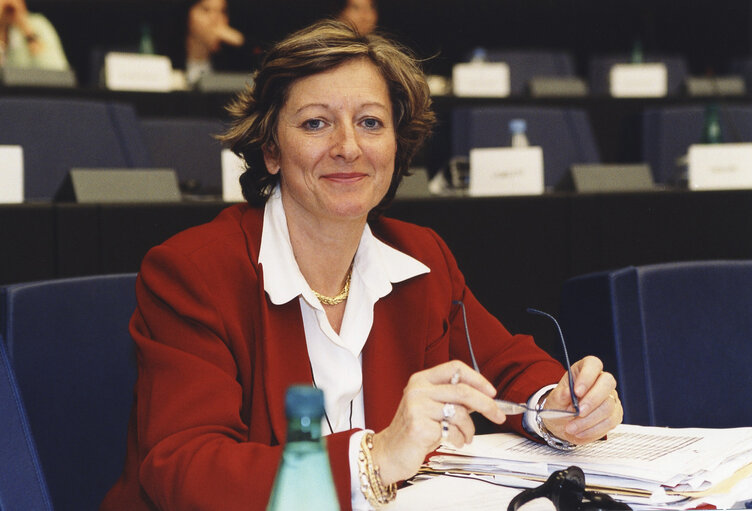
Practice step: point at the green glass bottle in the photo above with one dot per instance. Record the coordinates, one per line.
(146, 43)
(637, 57)
(711, 133)
(304, 479)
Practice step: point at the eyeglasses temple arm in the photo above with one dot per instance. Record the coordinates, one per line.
(575, 401)
(467, 333)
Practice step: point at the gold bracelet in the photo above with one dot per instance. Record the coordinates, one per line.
(370, 477)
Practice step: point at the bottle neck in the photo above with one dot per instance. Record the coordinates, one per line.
(304, 429)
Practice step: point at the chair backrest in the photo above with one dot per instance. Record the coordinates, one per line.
(525, 65)
(22, 484)
(599, 69)
(668, 132)
(58, 134)
(676, 336)
(564, 134)
(69, 345)
(188, 146)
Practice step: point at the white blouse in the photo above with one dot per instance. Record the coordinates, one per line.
(335, 358)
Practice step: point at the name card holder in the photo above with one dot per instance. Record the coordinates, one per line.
(137, 72)
(11, 174)
(481, 79)
(124, 185)
(232, 168)
(11, 76)
(506, 171)
(719, 166)
(638, 80)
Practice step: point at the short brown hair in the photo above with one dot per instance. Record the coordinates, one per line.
(317, 48)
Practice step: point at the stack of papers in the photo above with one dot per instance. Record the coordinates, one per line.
(647, 467)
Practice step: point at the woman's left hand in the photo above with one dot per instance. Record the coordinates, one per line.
(600, 407)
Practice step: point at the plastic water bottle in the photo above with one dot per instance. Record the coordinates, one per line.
(711, 133)
(518, 127)
(304, 479)
(479, 54)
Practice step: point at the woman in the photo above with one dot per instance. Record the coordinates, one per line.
(309, 283)
(205, 35)
(28, 39)
(361, 14)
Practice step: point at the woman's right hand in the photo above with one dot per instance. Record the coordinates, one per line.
(400, 449)
(13, 12)
(228, 35)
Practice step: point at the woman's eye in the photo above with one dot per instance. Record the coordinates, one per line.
(313, 124)
(371, 123)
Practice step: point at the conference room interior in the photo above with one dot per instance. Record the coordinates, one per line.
(516, 251)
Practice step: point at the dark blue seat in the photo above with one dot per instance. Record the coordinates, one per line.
(73, 357)
(22, 484)
(668, 132)
(525, 65)
(599, 69)
(676, 336)
(564, 134)
(188, 146)
(58, 134)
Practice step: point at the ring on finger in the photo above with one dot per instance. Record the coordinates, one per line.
(444, 429)
(448, 411)
(455, 378)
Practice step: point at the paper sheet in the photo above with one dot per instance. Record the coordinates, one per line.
(448, 493)
(654, 468)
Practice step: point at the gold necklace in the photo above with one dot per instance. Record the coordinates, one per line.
(341, 297)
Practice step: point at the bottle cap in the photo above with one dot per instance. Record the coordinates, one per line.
(479, 54)
(304, 401)
(518, 125)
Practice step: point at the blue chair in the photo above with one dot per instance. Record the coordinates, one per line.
(525, 65)
(675, 335)
(59, 134)
(22, 484)
(564, 134)
(599, 69)
(73, 357)
(188, 146)
(668, 132)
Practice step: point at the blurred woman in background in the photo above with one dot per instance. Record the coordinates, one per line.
(363, 15)
(28, 39)
(204, 38)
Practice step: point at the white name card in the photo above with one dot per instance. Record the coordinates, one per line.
(11, 174)
(137, 72)
(481, 79)
(232, 168)
(506, 171)
(638, 80)
(719, 166)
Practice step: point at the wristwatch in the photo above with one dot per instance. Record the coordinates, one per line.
(551, 439)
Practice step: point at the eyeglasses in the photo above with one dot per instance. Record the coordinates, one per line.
(566, 490)
(512, 408)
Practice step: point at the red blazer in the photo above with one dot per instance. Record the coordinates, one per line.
(215, 358)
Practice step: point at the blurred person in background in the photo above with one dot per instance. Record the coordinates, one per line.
(206, 40)
(28, 39)
(363, 15)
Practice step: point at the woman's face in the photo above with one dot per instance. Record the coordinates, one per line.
(204, 19)
(337, 144)
(362, 14)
